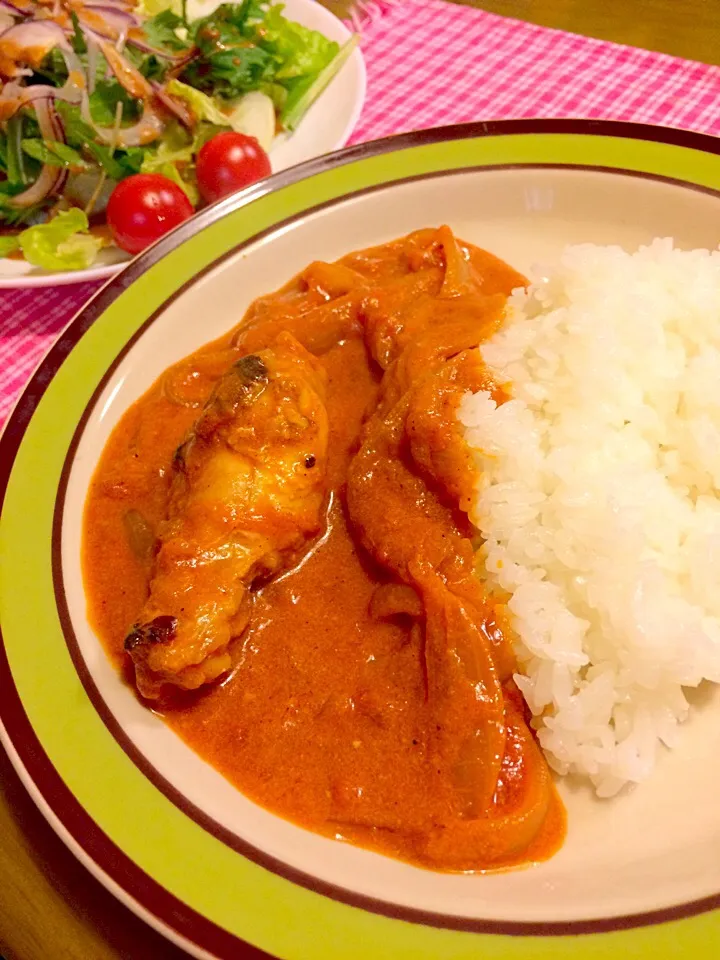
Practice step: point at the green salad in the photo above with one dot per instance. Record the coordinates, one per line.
(180, 111)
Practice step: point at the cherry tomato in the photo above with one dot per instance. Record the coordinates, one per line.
(144, 207)
(229, 162)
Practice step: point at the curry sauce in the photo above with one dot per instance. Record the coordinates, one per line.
(327, 715)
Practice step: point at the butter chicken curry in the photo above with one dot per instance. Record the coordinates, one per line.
(276, 540)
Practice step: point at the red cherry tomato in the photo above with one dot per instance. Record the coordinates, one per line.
(229, 162)
(144, 207)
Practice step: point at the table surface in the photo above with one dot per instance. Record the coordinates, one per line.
(50, 906)
(682, 28)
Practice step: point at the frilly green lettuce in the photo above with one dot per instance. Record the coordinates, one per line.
(252, 114)
(60, 244)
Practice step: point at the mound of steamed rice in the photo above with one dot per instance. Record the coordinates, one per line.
(597, 499)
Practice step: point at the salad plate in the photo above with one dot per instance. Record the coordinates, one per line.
(161, 827)
(326, 126)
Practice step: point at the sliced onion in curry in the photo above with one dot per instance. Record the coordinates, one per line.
(525, 797)
(395, 599)
(140, 535)
(188, 383)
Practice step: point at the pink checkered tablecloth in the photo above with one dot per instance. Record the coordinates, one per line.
(431, 63)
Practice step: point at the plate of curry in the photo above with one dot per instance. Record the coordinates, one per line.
(250, 574)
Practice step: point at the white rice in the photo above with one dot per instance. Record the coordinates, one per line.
(598, 499)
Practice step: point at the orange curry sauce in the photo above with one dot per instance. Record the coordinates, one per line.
(324, 718)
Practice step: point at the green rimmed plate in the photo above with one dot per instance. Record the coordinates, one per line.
(639, 876)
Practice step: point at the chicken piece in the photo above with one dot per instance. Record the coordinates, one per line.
(480, 741)
(435, 434)
(248, 493)
(458, 328)
(404, 486)
(411, 531)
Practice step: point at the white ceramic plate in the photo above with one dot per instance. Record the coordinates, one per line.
(326, 127)
(639, 875)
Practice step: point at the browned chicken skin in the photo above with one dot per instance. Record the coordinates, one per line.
(248, 492)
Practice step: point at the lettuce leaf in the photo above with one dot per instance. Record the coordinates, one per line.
(252, 114)
(304, 91)
(174, 156)
(54, 153)
(244, 48)
(8, 245)
(247, 46)
(117, 164)
(60, 244)
(104, 100)
(162, 30)
(12, 216)
(298, 51)
(189, 185)
(150, 8)
(251, 46)
(227, 64)
(177, 146)
(203, 106)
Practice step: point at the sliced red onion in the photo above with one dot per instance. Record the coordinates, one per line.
(13, 9)
(109, 4)
(31, 41)
(175, 105)
(108, 22)
(117, 18)
(114, 23)
(51, 179)
(45, 34)
(126, 74)
(121, 41)
(148, 128)
(14, 96)
(57, 122)
(92, 61)
(11, 99)
(34, 39)
(112, 11)
(41, 91)
(175, 58)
